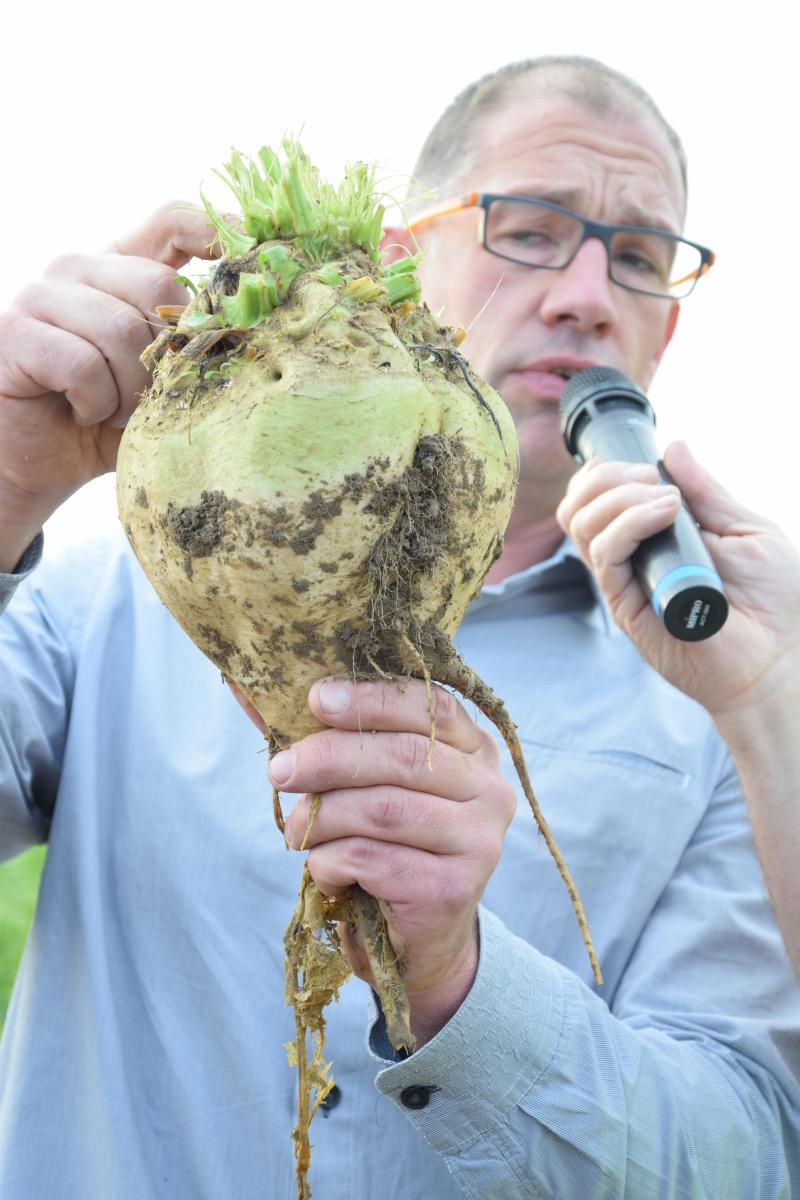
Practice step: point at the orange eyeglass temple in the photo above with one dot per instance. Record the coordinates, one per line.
(695, 274)
(451, 206)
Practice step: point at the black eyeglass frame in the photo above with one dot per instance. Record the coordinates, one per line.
(597, 229)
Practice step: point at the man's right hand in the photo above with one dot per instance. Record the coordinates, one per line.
(70, 374)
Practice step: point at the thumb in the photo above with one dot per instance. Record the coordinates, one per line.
(172, 235)
(246, 704)
(713, 507)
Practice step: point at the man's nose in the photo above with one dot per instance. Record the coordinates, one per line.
(582, 294)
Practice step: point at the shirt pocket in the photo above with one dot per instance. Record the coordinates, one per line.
(622, 820)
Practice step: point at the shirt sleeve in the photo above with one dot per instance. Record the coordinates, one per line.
(681, 1085)
(36, 677)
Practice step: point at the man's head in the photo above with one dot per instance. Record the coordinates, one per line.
(453, 148)
(574, 132)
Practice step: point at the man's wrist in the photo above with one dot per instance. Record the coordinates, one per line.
(27, 563)
(21, 519)
(432, 1007)
(768, 713)
(13, 549)
(11, 555)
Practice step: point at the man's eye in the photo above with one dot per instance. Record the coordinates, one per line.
(530, 236)
(632, 260)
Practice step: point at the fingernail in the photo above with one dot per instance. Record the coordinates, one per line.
(281, 767)
(333, 696)
(639, 471)
(667, 501)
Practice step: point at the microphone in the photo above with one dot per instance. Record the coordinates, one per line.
(605, 415)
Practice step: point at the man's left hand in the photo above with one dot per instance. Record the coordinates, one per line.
(610, 508)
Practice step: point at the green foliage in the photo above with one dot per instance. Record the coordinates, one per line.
(19, 886)
(254, 299)
(187, 283)
(284, 200)
(400, 280)
(285, 197)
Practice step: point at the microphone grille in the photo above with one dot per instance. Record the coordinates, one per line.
(590, 378)
(593, 392)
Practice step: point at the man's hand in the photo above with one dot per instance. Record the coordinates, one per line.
(424, 837)
(70, 375)
(611, 507)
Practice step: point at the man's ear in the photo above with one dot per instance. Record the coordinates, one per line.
(397, 243)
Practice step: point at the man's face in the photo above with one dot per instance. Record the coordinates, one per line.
(521, 321)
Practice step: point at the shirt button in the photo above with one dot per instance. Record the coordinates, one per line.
(416, 1097)
(331, 1100)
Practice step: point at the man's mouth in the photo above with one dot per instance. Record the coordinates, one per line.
(565, 365)
(547, 376)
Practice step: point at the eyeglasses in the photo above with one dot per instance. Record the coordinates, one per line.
(537, 233)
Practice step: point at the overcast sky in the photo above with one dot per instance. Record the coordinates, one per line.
(110, 111)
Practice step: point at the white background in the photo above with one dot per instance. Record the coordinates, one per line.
(109, 111)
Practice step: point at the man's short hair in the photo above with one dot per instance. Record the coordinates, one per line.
(452, 146)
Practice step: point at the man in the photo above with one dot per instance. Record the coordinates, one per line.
(143, 1056)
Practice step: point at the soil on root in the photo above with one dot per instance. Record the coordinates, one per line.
(198, 529)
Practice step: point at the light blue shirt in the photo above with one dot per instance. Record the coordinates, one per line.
(143, 1056)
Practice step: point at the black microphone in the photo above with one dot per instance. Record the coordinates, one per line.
(605, 415)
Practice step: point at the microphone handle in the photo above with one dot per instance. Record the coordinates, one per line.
(674, 567)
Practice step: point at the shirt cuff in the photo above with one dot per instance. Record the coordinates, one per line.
(10, 580)
(490, 1053)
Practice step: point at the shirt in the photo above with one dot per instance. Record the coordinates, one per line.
(143, 1056)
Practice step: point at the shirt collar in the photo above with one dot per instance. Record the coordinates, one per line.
(563, 570)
